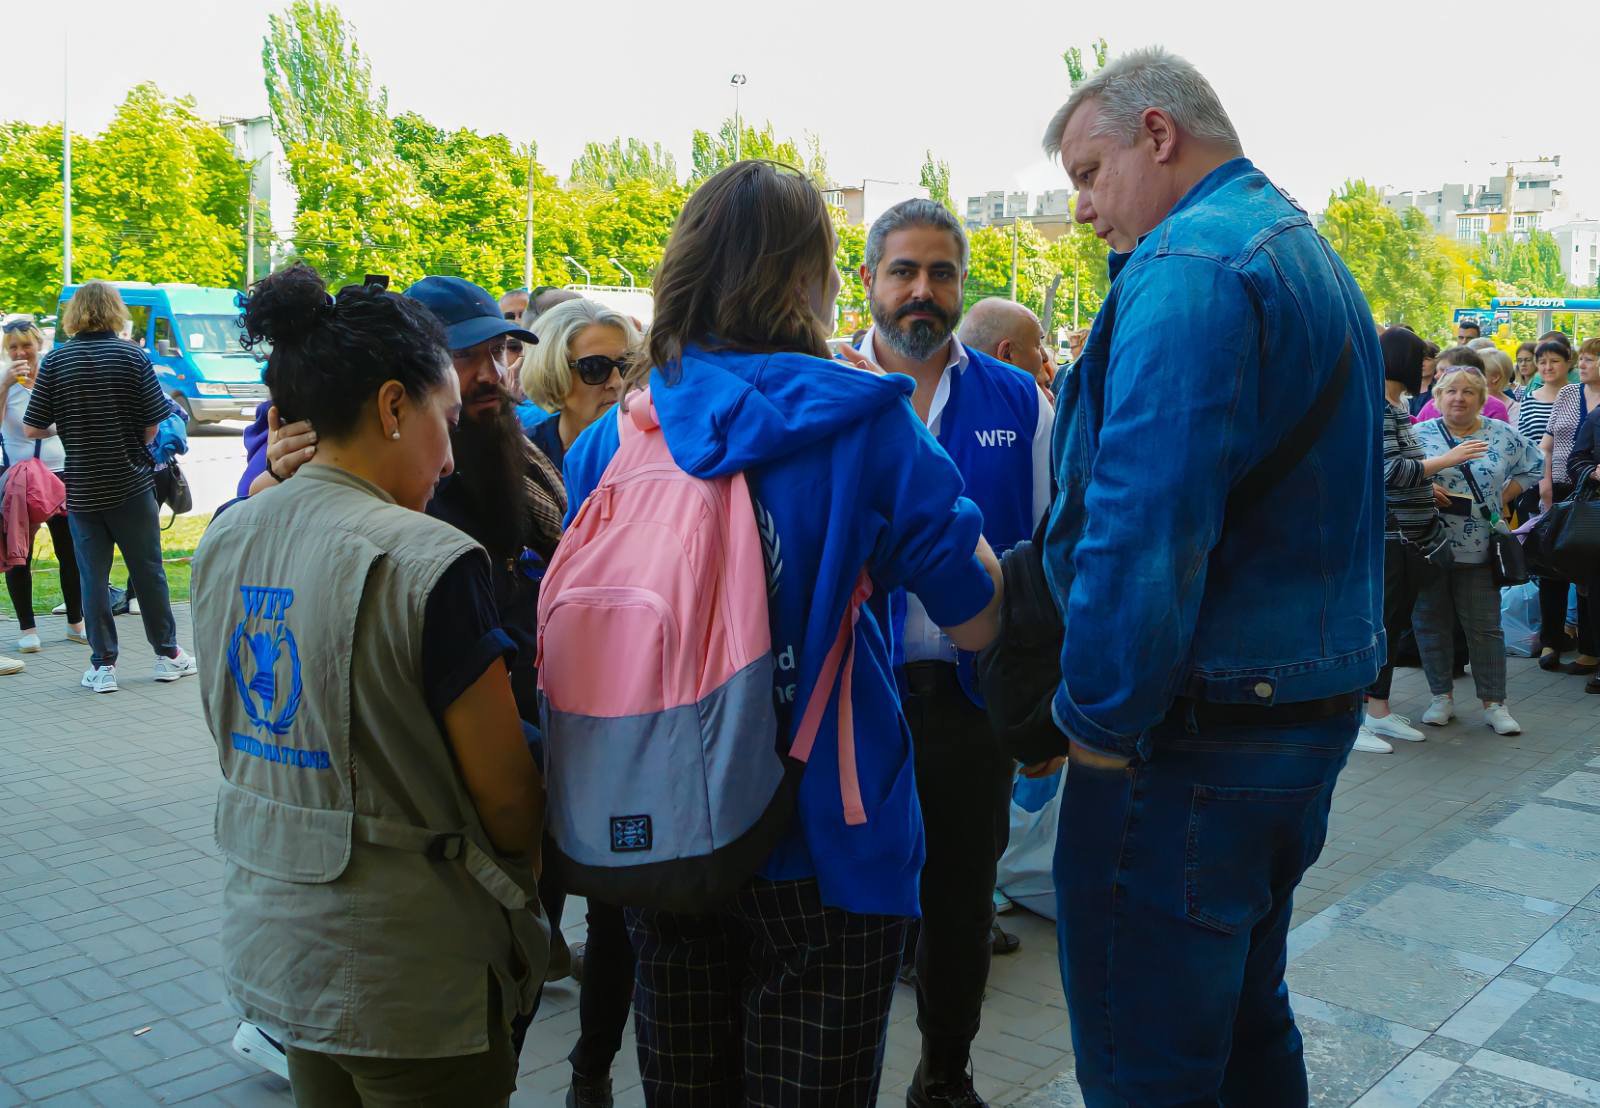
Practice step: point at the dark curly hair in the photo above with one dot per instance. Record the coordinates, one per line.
(330, 355)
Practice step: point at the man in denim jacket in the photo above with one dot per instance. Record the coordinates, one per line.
(1214, 654)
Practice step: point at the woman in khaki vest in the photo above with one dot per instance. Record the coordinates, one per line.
(380, 813)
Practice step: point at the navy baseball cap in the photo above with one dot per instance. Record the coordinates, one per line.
(469, 314)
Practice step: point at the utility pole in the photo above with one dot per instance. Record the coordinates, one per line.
(527, 231)
(66, 173)
(1074, 294)
(1014, 221)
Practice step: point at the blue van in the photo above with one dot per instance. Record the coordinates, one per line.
(192, 336)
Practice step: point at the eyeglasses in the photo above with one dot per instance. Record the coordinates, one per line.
(513, 346)
(596, 369)
(18, 325)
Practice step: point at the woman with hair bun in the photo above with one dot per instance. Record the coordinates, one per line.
(380, 812)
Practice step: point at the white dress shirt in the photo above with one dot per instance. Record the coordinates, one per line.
(924, 642)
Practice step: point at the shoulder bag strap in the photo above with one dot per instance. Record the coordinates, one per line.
(1294, 447)
(1488, 513)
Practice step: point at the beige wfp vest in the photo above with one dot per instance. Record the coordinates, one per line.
(363, 904)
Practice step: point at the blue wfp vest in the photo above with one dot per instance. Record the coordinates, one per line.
(987, 428)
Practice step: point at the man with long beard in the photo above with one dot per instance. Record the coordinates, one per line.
(994, 422)
(503, 491)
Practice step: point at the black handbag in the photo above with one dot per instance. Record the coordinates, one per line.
(1565, 543)
(1507, 563)
(1019, 672)
(172, 489)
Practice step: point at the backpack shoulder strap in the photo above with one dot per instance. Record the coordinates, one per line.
(841, 658)
(1294, 447)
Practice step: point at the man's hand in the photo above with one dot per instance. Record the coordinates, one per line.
(1093, 759)
(289, 446)
(856, 358)
(1440, 497)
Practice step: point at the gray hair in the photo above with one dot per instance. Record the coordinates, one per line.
(1481, 343)
(915, 212)
(1139, 80)
(546, 375)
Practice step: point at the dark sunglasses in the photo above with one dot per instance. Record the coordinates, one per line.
(514, 317)
(596, 369)
(17, 325)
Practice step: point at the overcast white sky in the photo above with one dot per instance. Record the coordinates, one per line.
(1400, 92)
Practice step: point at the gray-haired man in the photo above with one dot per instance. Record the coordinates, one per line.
(1216, 555)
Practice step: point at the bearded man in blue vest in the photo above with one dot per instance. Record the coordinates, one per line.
(994, 422)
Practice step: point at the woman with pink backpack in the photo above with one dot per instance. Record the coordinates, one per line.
(743, 773)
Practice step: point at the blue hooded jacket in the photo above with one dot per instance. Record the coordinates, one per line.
(843, 475)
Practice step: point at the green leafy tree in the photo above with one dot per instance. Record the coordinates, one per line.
(710, 154)
(630, 223)
(1074, 59)
(352, 221)
(1531, 267)
(607, 165)
(850, 253)
(935, 177)
(319, 84)
(1080, 258)
(1395, 259)
(159, 196)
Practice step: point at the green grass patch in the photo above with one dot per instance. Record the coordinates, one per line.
(177, 547)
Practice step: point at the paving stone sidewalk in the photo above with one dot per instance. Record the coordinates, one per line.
(1449, 952)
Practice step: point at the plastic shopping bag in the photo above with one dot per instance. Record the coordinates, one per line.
(1519, 619)
(1025, 872)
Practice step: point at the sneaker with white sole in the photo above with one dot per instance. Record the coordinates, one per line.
(59, 610)
(256, 1045)
(1369, 743)
(100, 680)
(1440, 712)
(172, 669)
(1394, 727)
(29, 643)
(79, 637)
(1496, 716)
(8, 666)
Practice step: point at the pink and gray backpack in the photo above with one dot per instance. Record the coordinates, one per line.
(667, 784)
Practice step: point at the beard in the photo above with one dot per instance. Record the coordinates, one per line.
(920, 338)
(491, 469)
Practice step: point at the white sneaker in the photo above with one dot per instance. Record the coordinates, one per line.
(29, 643)
(255, 1044)
(1371, 744)
(100, 680)
(171, 669)
(133, 606)
(8, 666)
(1002, 903)
(59, 610)
(1394, 727)
(1440, 712)
(1496, 716)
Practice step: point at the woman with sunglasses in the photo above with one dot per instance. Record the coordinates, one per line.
(576, 370)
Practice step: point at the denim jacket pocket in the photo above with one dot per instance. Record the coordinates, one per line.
(1228, 886)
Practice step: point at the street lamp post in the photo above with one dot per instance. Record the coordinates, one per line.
(737, 81)
(527, 234)
(573, 262)
(66, 175)
(625, 272)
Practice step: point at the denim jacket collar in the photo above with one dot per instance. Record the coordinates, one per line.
(1229, 170)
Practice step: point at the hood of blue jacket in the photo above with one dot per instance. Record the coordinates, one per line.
(731, 410)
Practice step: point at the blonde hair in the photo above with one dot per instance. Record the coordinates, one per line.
(1472, 375)
(1500, 360)
(546, 375)
(96, 306)
(31, 331)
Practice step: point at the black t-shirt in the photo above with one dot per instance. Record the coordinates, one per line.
(461, 635)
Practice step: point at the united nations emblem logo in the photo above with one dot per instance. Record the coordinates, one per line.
(256, 655)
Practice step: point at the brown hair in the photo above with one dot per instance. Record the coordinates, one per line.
(1591, 347)
(96, 306)
(747, 248)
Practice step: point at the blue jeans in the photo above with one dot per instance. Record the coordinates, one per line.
(1174, 880)
(134, 528)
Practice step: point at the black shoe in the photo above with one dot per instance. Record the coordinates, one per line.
(957, 1093)
(1592, 685)
(589, 1092)
(1580, 669)
(1004, 942)
(1550, 662)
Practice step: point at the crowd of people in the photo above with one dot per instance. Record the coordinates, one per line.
(768, 714)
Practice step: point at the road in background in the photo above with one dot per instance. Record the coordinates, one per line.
(213, 464)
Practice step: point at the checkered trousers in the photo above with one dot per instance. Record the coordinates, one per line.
(778, 1002)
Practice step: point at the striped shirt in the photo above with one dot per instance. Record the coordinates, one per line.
(101, 394)
(1408, 492)
(1533, 416)
(1566, 416)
